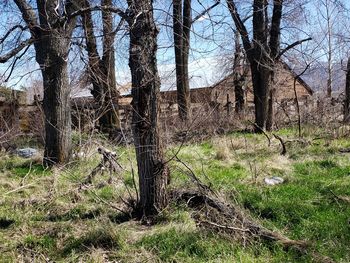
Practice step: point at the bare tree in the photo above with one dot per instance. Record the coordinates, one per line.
(262, 51)
(181, 27)
(51, 26)
(347, 94)
(328, 13)
(102, 69)
(182, 22)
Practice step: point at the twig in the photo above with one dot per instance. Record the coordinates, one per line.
(224, 226)
(341, 198)
(193, 176)
(18, 189)
(30, 169)
(109, 204)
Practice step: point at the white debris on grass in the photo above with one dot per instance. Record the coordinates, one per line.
(273, 180)
(27, 152)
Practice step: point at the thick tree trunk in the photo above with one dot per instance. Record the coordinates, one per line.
(57, 111)
(145, 90)
(347, 94)
(52, 51)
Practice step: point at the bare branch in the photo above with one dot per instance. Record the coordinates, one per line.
(28, 13)
(283, 144)
(296, 43)
(240, 26)
(11, 30)
(15, 61)
(205, 11)
(15, 51)
(112, 9)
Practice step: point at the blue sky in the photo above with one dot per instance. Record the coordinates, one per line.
(211, 40)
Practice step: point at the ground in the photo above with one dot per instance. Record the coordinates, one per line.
(48, 216)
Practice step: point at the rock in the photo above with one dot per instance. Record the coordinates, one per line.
(26, 152)
(273, 180)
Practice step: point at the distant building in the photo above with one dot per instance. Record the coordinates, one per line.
(223, 90)
(218, 96)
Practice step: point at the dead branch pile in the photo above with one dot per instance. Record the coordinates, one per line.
(214, 213)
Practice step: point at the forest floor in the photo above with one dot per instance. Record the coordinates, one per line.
(48, 216)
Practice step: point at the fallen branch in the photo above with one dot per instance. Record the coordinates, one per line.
(224, 226)
(283, 144)
(345, 199)
(109, 204)
(344, 150)
(109, 162)
(18, 189)
(194, 178)
(223, 214)
(262, 131)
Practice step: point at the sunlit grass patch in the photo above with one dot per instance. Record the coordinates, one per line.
(187, 245)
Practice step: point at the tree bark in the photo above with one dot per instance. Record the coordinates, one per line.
(52, 43)
(271, 110)
(56, 104)
(182, 20)
(239, 75)
(102, 70)
(152, 171)
(261, 52)
(347, 94)
(261, 87)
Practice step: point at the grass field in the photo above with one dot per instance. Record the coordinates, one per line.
(46, 216)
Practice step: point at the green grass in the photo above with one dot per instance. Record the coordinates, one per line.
(187, 246)
(47, 214)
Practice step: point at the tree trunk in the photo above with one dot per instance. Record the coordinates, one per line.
(239, 94)
(261, 51)
(111, 120)
(271, 110)
(56, 106)
(152, 171)
(102, 70)
(239, 75)
(347, 94)
(52, 48)
(330, 49)
(185, 94)
(261, 88)
(181, 27)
